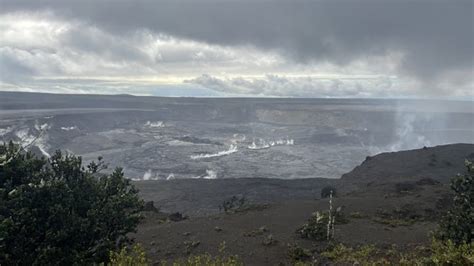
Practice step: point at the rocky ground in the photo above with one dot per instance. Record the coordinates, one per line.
(390, 199)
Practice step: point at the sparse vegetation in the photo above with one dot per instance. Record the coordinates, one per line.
(136, 256)
(269, 240)
(206, 259)
(129, 256)
(449, 253)
(452, 244)
(357, 215)
(393, 222)
(298, 254)
(190, 245)
(405, 187)
(260, 231)
(56, 210)
(439, 253)
(223, 259)
(402, 216)
(237, 204)
(343, 254)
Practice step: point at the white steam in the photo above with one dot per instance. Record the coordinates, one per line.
(407, 136)
(232, 149)
(39, 141)
(148, 175)
(262, 144)
(4, 131)
(210, 174)
(69, 128)
(156, 124)
(42, 127)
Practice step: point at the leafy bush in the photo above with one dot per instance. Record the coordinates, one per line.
(457, 225)
(56, 211)
(447, 253)
(316, 227)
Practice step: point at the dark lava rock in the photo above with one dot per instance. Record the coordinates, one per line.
(427, 182)
(176, 217)
(405, 187)
(150, 207)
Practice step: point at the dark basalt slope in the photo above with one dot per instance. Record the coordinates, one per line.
(438, 163)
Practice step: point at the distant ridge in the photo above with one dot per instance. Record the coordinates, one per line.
(440, 163)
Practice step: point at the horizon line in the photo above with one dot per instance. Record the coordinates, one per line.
(418, 98)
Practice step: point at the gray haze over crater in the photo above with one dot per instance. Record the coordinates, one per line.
(202, 138)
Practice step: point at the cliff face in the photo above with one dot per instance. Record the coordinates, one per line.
(439, 163)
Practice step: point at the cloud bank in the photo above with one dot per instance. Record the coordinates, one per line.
(363, 48)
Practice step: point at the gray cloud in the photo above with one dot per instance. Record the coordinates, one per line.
(417, 47)
(11, 68)
(305, 86)
(434, 36)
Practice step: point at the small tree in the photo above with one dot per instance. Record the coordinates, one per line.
(458, 224)
(55, 211)
(328, 191)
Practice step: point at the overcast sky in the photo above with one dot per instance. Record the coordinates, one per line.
(292, 48)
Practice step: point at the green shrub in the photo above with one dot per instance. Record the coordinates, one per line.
(457, 225)
(448, 253)
(56, 211)
(317, 225)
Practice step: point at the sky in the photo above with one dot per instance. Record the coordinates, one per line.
(239, 48)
